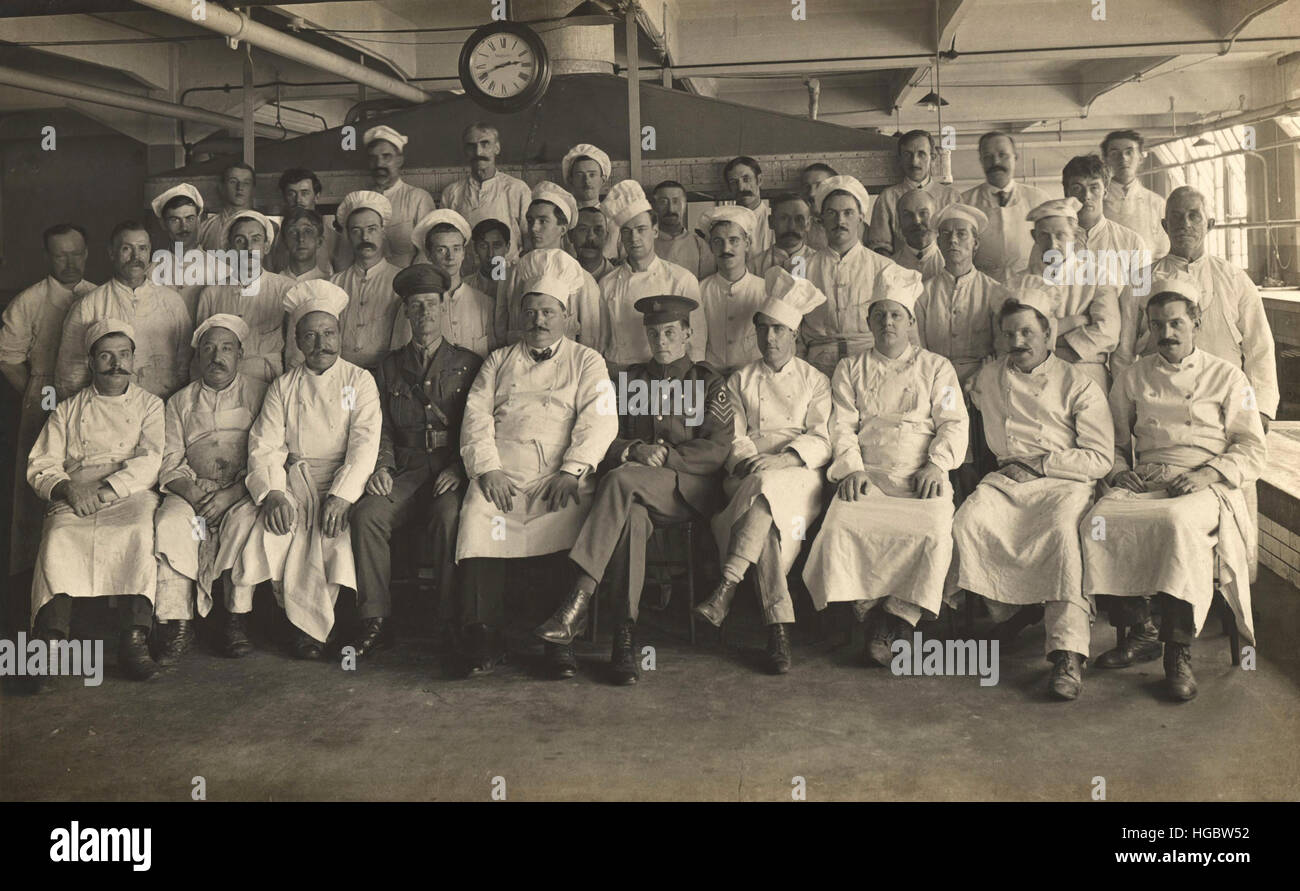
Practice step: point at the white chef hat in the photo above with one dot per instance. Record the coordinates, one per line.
(624, 201)
(848, 184)
(731, 213)
(103, 328)
(971, 214)
(1179, 283)
(899, 284)
(386, 133)
(262, 220)
(585, 150)
(550, 271)
(316, 295)
(220, 320)
(1033, 292)
(184, 190)
(438, 218)
(364, 199)
(560, 197)
(789, 299)
(1057, 207)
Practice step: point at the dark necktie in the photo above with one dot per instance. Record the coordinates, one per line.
(541, 355)
(1003, 198)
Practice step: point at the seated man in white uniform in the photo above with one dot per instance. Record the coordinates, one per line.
(202, 479)
(898, 427)
(775, 481)
(733, 294)
(310, 453)
(1187, 426)
(1017, 534)
(96, 463)
(538, 420)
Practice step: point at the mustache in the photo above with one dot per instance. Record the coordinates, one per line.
(1168, 341)
(117, 370)
(1020, 349)
(367, 244)
(726, 255)
(1001, 167)
(480, 158)
(669, 215)
(323, 351)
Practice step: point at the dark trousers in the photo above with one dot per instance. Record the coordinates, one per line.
(56, 616)
(1177, 623)
(372, 523)
(631, 501)
(484, 581)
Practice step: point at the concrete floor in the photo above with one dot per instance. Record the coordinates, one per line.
(704, 726)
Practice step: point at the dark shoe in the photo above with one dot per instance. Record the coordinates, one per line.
(376, 634)
(307, 647)
(46, 683)
(719, 603)
(1007, 631)
(237, 644)
(778, 649)
(480, 650)
(1067, 675)
(561, 660)
(177, 639)
(1141, 645)
(569, 620)
(134, 655)
(623, 661)
(882, 630)
(1179, 680)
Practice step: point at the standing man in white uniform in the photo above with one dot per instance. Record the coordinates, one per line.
(1006, 241)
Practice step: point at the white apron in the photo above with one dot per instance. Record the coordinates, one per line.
(108, 553)
(1019, 542)
(307, 566)
(217, 459)
(794, 496)
(529, 530)
(1155, 542)
(888, 544)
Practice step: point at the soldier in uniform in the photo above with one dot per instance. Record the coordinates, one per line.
(422, 390)
(662, 469)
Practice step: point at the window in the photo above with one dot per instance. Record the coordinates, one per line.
(1221, 178)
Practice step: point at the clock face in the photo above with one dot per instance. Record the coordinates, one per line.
(503, 65)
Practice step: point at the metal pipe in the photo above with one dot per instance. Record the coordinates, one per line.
(84, 93)
(249, 106)
(633, 96)
(240, 27)
(1190, 161)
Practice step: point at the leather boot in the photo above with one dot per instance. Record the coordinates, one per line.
(176, 643)
(134, 655)
(568, 621)
(1141, 645)
(882, 631)
(47, 683)
(376, 634)
(561, 660)
(1007, 631)
(237, 644)
(1179, 680)
(307, 647)
(623, 661)
(480, 650)
(1067, 675)
(719, 603)
(778, 648)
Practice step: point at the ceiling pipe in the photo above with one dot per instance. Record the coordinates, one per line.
(84, 93)
(238, 26)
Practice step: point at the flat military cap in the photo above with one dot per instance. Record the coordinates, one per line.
(420, 278)
(665, 308)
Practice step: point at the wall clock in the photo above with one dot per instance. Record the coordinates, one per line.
(504, 67)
